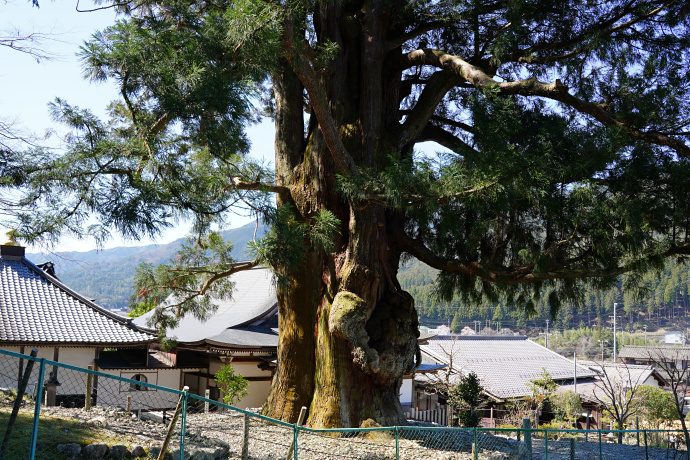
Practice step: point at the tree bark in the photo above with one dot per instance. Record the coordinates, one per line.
(346, 305)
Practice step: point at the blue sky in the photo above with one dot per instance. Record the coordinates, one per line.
(27, 86)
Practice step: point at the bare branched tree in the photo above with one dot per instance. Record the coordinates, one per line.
(33, 44)
(616, 391)
(673, 365)
(30, 43)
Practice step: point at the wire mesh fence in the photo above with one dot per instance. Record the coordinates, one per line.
(52, 411)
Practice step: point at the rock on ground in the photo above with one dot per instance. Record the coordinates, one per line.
(70, 451)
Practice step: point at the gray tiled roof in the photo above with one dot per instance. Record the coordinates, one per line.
(246, 337)
(646, 353)
(629, 374)
(36, 308)
(620, 375)
(505, 365)
(253, 300)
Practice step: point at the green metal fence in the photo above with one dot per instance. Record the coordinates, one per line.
(50, 410)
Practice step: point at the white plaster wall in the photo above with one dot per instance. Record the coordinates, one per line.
(243, 368)
(112, 392)
(651, 381)
(71, 382)
(80, 357)
(249, 370)
(257, 392)
(406, 391)
(43, 352)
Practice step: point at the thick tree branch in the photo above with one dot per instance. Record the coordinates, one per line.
(239, 184)
(319, 102)
(532, 87)
(420, 30)
(236, 268)
(442, 137)
(517, 274)
(203, 289)
(439, 84)
(445, 121)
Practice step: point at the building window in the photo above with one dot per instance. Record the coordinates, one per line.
(139, 378)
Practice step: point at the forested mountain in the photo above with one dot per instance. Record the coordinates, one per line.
(662, 301)
(108, 275)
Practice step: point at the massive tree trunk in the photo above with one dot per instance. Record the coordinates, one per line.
(346, 305)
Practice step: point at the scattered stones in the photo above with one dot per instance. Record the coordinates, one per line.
(218, 436)
(138, 451)
(70, 451)
(95, 451)
(204, 453)
(100, 421)
(154, 451)
(118, 452)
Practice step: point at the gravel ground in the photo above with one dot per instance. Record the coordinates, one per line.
(270, 441)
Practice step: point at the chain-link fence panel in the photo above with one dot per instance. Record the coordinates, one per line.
(365, 443)
(52, 411)
(98, 415)
(218, 429)
(18, 377)
(418, 442)
(604, 445)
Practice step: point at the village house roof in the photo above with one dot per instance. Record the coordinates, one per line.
(246, 319)
(671, 353)
(620, 375)
(505, 365)
(37, 309)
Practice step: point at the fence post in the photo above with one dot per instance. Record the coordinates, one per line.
(245, 437)
(397, 443)
(527, 426)
(183, 423)
(171, 427)
(600, 447)
(646, 445)
(294, 441)
(546, 444)
(300, 420)
(475, 446)
(89, 389)
(37, 409)
(17, 402)
(572, 448)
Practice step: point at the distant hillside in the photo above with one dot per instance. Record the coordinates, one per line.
(663, 301)
(108, 275)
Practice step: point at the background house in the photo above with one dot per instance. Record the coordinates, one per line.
(241, 332)
(38, 311)
(674, 338)
(505, 365)
(664, 359)
(617, 377)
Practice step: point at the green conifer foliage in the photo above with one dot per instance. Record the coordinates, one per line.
(564, 128)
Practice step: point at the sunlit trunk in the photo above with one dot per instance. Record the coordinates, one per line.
(348, 332)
